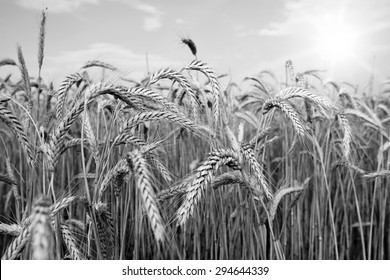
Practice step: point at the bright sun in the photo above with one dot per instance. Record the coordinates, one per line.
(336, 40)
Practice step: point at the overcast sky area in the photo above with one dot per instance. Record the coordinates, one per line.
(348, 39)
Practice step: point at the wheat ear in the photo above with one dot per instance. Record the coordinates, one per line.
(204, 174)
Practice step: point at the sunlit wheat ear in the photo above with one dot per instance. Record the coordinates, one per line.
(216, 89)
(90, 135)
(42, 31)
(204, 174)
(155, 116)
(256, 168)
(26, 78)
(13, 230)
(70, 243)
(176, 190)
(42, 235)
(318, 101)
(62, 204)
(299, 126)
(148, 196)
(17, 245)
(55, 145)
(190, 44)
(258, 137)
(98, 63)
(175, 76)
(63, 90)
(344, 123)
(283, 192)
(17, 128)
(140, 91)
(105, 228)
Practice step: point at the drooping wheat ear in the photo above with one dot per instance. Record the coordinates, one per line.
(26, 78)
(242, 178)
(256, 168)
(290, 70)
(234, 144)
(204, 174)
(11, 175)
(344, 123)
(376, 123)
(309, 110)
(283, 192)
(41, 48)
(348, 164)
(62, 204)
(190, 44)
(176, 76)
(14, 124)
(162, 169)
(13, 230)
(7, 61)
(228, 178)
(351, 100)
(381, 173)
(70, 243)
(90, 135)
(42, 235)
(115, 175)
(141, 91)
(98, 63)
(72, 143)
(17, 245)
(144, 185)
(176, 190)
(260, 136)
(155, 116)
(118, 91)
(63, 90)
(198, 65)
(299, 126)
(105, 228)
(56, 143)
(320, 102)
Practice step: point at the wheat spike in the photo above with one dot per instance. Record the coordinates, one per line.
(70, 243)
(42, 235)
(198, 65)
(147, 193)
(14, 124)
(204, 174)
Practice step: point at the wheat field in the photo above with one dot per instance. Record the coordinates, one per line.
(187, 164)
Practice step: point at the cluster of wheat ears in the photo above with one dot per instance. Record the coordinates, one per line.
(180, 166)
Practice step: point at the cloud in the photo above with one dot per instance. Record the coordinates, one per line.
(153, 18)
(55, 6)
(152, 23)
(67, 62)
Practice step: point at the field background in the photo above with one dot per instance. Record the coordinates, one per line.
(186, 163)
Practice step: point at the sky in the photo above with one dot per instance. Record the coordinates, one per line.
(348, 39)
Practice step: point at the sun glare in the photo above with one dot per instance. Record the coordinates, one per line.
(336, 38)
